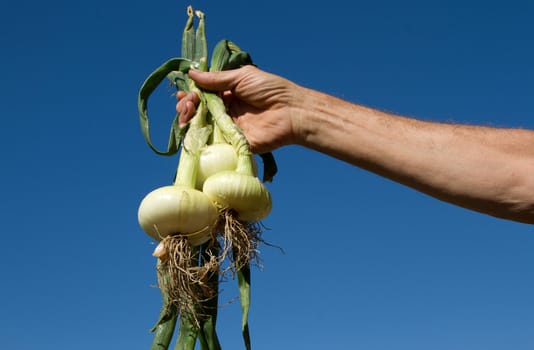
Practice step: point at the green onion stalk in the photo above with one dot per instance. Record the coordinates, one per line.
(207, 220)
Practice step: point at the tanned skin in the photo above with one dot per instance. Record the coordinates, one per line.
(488, 170)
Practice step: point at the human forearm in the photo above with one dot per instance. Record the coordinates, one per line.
(484, 169)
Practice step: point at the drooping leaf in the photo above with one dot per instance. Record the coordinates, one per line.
(269, 166)
(148, 87)
(243, 282)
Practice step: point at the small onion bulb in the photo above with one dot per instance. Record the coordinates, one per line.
(213, 159)
(177, 210)
(243, 193)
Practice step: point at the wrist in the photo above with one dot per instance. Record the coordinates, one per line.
(313, 114)
(302, 108)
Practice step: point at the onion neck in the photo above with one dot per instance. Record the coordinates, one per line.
(186, 174)
(231, 133)
(218, 136)
(245, 164)
(193, 141)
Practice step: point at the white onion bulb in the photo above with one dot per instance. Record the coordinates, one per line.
(243, 193)
(177, 210)
(213, 159)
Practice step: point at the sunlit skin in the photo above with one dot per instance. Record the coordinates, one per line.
(488, 170)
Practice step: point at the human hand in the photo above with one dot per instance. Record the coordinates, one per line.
(263, 105)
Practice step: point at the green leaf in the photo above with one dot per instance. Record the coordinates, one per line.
(188, 35)
(210, 306)
(269, 166)
(148, 87)
(180, 80)
(164, 329)
(243, 282)
(163, 334)
(227, 55)
(187, 334)
(220, 56)
(237, 60)
(200, 53)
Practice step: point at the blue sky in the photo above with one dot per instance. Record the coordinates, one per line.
(367, 263)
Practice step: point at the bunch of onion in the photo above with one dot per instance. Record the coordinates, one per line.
(242, 199)
(206, 222)
(182, 217)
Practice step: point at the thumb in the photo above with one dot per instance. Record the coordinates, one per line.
(216, 81)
